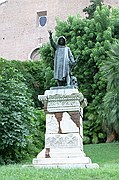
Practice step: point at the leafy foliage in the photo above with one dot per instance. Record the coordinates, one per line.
(33, 73)
(110, 70)
(15, 113)
(21, 125)
(91, 8)
(91, 38)
(38, 131)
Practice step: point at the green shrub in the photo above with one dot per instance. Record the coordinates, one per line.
(91, 38)
(33, 73)
(39, 130)
(110, 70)
(16, 112)
(22, 126)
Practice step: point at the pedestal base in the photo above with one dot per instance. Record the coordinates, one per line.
(64, 131)
(64, 158)
(67, 166)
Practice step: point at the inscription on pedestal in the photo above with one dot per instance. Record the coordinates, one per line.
(59, 103)
(63, 102)
(63, 140)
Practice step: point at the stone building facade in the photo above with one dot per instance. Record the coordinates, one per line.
(24, 24)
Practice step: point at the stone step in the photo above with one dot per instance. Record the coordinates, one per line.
(66, 166)
(62, 153)
(56, 161)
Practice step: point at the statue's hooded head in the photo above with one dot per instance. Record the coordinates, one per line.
(62, 41)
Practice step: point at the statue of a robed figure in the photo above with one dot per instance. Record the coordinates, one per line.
(63, 106)
(63, 62)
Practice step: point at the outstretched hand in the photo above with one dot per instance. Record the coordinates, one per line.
(50, 33)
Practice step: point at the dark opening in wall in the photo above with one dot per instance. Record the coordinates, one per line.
(42, 18)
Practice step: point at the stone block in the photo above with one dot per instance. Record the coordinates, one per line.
(55, 161)
(62, 153)
(61, 100)
(61, 123)
(67, 166)
(52, 125)
(64, 130)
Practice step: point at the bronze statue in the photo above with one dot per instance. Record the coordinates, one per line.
(63, 61)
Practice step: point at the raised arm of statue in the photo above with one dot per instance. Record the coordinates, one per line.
(53, 44)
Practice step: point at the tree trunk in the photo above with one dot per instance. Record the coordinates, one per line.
(111, 136)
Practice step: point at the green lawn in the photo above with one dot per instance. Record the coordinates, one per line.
(106, 155)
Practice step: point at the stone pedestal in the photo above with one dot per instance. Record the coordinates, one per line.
(64, 130)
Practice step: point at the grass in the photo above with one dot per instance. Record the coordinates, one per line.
(106, 155)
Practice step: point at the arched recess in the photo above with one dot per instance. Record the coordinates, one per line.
(34, 54)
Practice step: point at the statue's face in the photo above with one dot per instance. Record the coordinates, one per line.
(61, 41)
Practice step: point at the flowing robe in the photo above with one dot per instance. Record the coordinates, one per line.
(62, 62)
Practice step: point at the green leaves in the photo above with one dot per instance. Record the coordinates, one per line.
(110, 70)
(21, 125)
(92, 38)
(16, 110)
(91, 8)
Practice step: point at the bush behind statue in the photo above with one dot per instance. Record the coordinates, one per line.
(18, 117)
(91, 38)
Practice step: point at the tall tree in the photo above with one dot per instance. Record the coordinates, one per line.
(91, 38)
(91, 8)
(110, 69)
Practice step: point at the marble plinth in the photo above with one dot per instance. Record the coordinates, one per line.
(64, 130)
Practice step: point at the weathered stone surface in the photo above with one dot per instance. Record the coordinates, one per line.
(69, 140)
(61, 123)
(64, 130)
(61, 91)
(62, 153)
(55, 161)
(92, 165)
(81, 127)
(52, 126)
(61, 100)
(68, 166)
(75, 116)
(67, 125)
